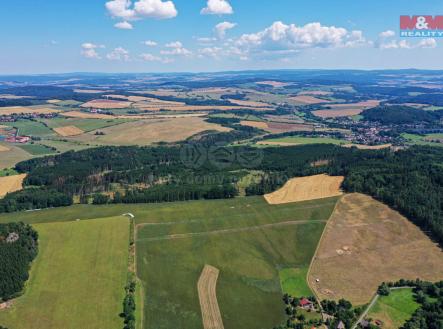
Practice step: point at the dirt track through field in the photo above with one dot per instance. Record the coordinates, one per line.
(207, 293)
(226, 231)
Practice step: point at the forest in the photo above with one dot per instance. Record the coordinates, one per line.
(409, 180)
(400, 115)
(18, 248)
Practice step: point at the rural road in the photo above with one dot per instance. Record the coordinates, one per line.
(362, 316)
(225, 231)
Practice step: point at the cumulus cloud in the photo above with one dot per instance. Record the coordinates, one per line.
(124, 9)
(118, 54)
(124, 25)
(280, 38)
(150, 43)
(89, 50)
(176, 48)
(154, 58)
(387, 34)
(217, 7)
(386, 41)
(221, 28)
(213, 52)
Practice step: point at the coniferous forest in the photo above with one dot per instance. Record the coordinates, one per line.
(409, 180)
(18, 248)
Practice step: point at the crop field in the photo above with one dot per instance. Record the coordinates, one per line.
(308, 100)
(296, 140)
(346, 110)
(207, 294)
(106, 104)
(25, 110)
(14, 154)
(277, 127)
(31, 128)
(246, 239)
(4, 148)
(36, 149)
(146, 132)
(68, 131)
(83, 124)
(10, 184)
(366, 243)
(306, 188)
(395, 309)
(78, 278)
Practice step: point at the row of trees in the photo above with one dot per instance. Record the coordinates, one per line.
(18, 248)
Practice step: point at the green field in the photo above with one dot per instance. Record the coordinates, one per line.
(31, 128)
(247, 239)
(83, 124)
(293, 281)
(394, 309)
(306, 140)
(421, 140)
(77, 279)
(36, 149)
(7, 172)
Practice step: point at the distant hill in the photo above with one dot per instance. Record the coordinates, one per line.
(397, 114)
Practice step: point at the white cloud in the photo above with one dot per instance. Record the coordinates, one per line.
(221, 28)
(118, 54)
(176, 48)
(427, 43)
(280, 38)
(387, 34)
(124, 9)
(206, 40)
(124, 25)
(213, 52)
(150, 43)
(217, 7)
(154, 58)
(89, 50)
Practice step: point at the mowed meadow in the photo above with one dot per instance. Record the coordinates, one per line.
(248, 240)
(78, 278)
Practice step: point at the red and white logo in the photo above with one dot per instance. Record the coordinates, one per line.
(421, 26)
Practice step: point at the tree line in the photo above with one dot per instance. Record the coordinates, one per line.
(18, 248)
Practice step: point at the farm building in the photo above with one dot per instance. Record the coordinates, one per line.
(306, 304)
(18, 139)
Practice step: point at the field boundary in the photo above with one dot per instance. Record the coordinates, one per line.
(235, 230)
(207, 294)
(315, 255)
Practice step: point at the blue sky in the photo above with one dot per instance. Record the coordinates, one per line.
(54, 36)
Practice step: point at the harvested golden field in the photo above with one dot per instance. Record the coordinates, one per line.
(277, 127)
(255, 124)
(207, 294)
(184, 108)
(145, 132)
(365, 243)
(10, 184)
(315, 93)
(106, 104)
(53, 101)
(25, 110)
(275, 84)
(68, 131)
(90, 91)
(306, 188)
(248, 103)
(11, 156)
(307, 100)
(8, 96)
(86, 115)
(4, 148)
(345, 110)
(368, 147)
